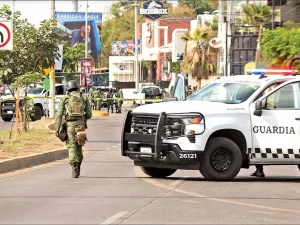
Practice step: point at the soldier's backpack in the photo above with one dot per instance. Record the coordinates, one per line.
(75, 106)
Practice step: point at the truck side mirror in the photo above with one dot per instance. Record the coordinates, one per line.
(259, 105)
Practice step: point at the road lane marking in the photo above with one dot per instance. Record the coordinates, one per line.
(113, 218)
(119, 144)
(175, 183)
(191, 201)
(262, 212)
(108, 149)
(158, 184)
(114, 146)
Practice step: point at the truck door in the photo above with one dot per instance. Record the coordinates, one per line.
(179, 88)
(276, 132)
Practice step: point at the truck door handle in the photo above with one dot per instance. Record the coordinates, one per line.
(297, 118)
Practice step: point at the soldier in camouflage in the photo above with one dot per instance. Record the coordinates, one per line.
(119, 96)
(189, 91)
(77, 110)
(96, 99)
(110, 101)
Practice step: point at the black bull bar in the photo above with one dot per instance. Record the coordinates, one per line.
(155, 139)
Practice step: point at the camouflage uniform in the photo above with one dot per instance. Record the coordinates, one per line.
(110, 101)
(72, 103)
(96, 99)
(119, 95)
(91, 97)
(189, 91)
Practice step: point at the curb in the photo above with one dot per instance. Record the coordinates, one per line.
(32, 160)
(99, 113)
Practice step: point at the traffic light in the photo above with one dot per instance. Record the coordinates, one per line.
(180, 56)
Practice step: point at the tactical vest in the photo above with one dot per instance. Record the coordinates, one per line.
(96, 94)
(75, 106)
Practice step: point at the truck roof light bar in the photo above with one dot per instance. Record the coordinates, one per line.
(277, 72)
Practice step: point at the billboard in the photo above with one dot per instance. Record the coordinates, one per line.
(125, 47)
(72, 24)
(86, 78)
(153, 9)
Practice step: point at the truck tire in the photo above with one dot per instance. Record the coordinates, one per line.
(222, 160)
(38, 113)
(7, 119)
(158, 172)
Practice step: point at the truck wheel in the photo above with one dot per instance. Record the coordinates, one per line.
(158, 172)
(7, 119)
(38, 113)
(222, 160)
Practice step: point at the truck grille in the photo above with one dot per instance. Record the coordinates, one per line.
(144, 124)
(10, 103)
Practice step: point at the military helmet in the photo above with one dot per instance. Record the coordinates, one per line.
(72, 85)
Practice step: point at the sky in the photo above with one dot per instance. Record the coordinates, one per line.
(39, 10)
(36, 11)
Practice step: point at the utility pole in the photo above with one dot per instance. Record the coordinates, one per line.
(86, 39)
(52, 74)
(137, 77)
(75, 4)
(14, 6)
(86, 25)
(273, 14)
(220, 36)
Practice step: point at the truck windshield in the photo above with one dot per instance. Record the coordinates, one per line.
(35, 90)
(229, 93)
(151, 90)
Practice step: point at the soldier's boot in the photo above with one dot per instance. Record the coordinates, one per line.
(259, 172)
(74, 170)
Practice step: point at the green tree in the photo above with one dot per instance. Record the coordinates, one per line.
(180, 11)
(33, 47)
(200, 6)
(200, 60)
(23, 81)
(255, 14)
(281, 44)
(71, 56)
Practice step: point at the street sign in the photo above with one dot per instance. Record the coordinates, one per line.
(174, 67)
(248, 66)
(47, 84)
(153, 10)
(215, 43)
(58, 62)
(6, 35)
(86, 78)
(48, 70)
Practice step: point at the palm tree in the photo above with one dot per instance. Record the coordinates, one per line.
(255, 14)
(200, 60)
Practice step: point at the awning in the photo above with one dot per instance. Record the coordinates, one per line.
(165, 48)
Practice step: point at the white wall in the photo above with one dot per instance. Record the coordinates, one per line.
(149, 53)
(115, 73)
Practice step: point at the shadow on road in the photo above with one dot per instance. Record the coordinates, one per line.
(243, 179)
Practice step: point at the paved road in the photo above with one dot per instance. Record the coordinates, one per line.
(112, 191)
(4, 125)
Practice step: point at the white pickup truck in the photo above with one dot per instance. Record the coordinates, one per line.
(41, 103)
(147, 95)
(232, 123)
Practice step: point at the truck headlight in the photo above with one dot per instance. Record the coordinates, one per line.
(184, 124)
